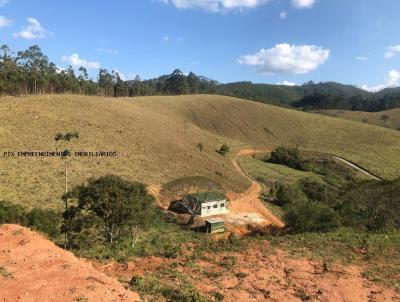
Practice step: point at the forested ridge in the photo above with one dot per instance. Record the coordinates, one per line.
(31, 72)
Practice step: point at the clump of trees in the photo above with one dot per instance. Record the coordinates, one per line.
(43, 220)
(372, 205)
(337, 200)
(319, 207)
(108, 209)
(290, 157)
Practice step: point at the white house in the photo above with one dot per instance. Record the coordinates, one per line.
(208, 203)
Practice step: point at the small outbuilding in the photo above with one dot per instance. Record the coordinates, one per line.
(214, 225)
(208, 203)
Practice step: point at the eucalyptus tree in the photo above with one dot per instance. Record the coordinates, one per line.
(64, 139)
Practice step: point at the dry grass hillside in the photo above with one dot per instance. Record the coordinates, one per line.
(156, 139)
(374, 118)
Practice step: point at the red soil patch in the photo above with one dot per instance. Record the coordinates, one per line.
(38, 270)
(262, 274)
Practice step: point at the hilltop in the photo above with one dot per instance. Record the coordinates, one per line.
(157, 140)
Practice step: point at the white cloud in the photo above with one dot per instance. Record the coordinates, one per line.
(392, 51)
(360, 58)
(108, 50)
(126, 77)
(76, 61)
(287, 83)
(166, 39)
(5, 22)
(283, 14)
(215, 5)
(303, 3)
(3, 2)
(33, 31)
(392, 79)
(286, 58)
(60, 69)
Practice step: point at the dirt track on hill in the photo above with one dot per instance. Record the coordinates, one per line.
(249, 201)
(35, 269)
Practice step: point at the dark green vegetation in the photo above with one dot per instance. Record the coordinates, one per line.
(43, 220)
(31, 72)
(340, 199)
(371, 103)
(223, 150)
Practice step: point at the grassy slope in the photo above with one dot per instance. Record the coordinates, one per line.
(373, 118)
(273, 172)
(157, 137)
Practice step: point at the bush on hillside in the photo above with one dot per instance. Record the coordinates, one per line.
(372, 205)
(45, 220)
(223, 150)
(310, 216)
(288, 193)
(12, 213)
(321, 192)
(110, 207)
(290, 157)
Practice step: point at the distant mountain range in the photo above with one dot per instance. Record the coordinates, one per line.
(309, 96)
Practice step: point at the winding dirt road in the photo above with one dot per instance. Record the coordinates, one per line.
(247, 207)
(249, 201)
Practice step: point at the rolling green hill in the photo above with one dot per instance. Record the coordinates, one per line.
(156, 139)
(265, 93)
(333, 88)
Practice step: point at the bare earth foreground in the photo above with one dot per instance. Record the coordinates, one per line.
(34, 269)
(262, 274)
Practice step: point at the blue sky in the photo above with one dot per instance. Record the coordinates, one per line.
(265, 41)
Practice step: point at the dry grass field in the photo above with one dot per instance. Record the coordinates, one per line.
(374, 118)
(156, 139)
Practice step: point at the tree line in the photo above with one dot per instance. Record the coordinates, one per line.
(31, 72)
(372, 103)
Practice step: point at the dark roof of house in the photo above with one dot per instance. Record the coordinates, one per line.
(208, 196)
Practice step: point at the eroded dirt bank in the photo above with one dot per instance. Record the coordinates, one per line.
(35, 269)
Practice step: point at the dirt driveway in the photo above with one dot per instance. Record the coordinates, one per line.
(246, 208)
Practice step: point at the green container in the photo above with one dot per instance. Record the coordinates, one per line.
(215, 226)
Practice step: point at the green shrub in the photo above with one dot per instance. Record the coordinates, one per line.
(46, 221)
(372, 205)
(309, 216)
(322, 192)
(289, 193)
(290, 157)
(12, 213)
(224, 149)
(112, 205)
